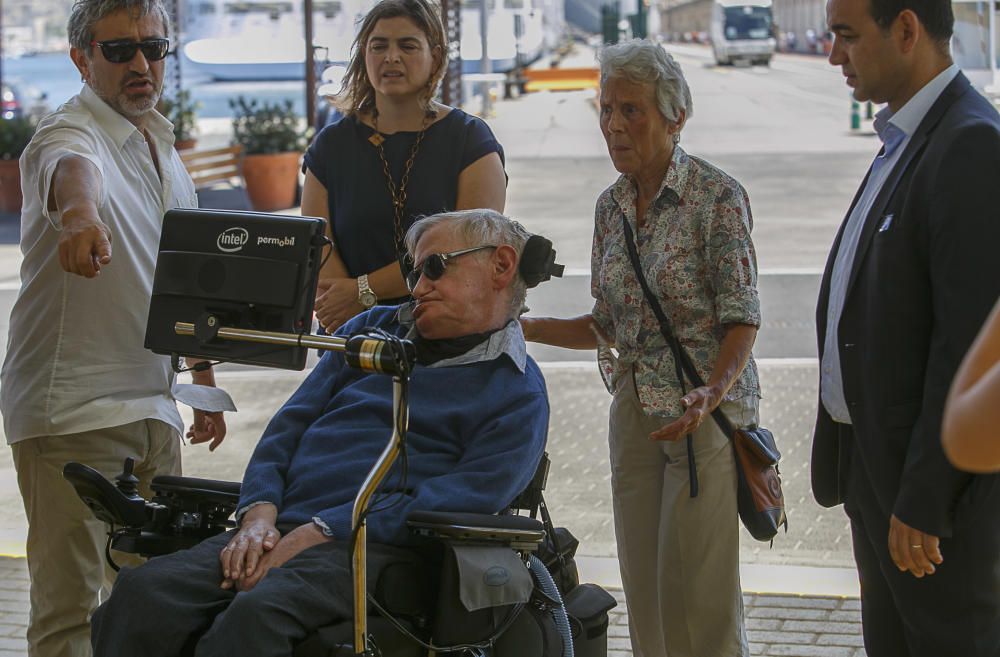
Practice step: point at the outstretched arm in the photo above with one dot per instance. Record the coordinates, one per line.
(85, 240)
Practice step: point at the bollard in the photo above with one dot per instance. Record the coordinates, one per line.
(855, 115)
(868, 110)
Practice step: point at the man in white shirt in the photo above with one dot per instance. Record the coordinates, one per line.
(77, 384)
(911, 277)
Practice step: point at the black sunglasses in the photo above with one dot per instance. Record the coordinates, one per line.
(434, 265)
(120, 51)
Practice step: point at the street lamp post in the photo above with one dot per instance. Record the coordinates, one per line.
(994, 83)
(484, 61)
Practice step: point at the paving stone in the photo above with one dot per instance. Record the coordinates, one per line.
(763, 624)
(853, 640)
(618, 630)
(820, 627)
(11, 629)
(782, 637)
(846, 616)
(797, 601)
(793, 613)
(619, 643)
(809, 651)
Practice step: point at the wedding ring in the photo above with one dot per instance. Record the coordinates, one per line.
(916, 547)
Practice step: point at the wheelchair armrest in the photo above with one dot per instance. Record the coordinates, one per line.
(210, 490)
(518, 532)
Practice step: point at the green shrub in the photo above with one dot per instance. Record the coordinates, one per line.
(267, 128)
(14, 137)
(183, 113)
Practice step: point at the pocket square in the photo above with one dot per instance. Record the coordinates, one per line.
(886, 223)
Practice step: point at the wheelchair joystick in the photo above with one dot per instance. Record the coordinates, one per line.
(127, 482)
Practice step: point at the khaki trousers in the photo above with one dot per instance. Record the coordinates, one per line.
(679, 556)
(65, 541)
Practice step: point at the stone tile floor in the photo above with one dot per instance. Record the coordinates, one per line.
(791, 626)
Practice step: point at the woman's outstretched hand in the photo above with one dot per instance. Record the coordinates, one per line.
(699, 402)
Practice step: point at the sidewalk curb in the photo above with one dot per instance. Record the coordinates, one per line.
(761, 579)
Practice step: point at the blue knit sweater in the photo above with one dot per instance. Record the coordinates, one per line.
(476, 434)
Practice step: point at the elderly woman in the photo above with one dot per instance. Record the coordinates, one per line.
(678, 543)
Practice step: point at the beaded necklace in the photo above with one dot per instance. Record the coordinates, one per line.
(398, 194)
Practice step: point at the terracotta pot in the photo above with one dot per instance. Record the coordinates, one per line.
(185, 144)
(271, 180)
(10, 186)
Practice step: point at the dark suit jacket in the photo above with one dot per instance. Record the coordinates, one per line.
(920, 289)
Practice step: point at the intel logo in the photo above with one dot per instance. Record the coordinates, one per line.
(232, 239)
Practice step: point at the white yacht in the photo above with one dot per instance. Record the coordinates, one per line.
(263, 39)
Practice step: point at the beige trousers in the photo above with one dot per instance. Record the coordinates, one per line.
(679, 556)
(65, 541)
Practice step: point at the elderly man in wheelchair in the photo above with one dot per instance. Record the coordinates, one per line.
(280, 582)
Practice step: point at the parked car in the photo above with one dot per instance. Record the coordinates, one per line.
(17, 100)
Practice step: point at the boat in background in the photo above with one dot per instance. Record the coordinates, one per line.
(516, 34)
(243, 40)
(240, 40)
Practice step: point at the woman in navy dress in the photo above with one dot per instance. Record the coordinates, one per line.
(395, 156)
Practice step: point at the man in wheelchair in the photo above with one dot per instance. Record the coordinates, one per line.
(477, 427)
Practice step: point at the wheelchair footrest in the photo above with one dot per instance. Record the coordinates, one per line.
(519, 532)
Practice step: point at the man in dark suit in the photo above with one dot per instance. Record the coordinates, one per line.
(911, 277)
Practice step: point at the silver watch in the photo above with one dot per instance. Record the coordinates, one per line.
(366, 297)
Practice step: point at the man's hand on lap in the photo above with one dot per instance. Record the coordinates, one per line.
(299, 539)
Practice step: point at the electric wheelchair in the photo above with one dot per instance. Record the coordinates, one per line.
(507, 584)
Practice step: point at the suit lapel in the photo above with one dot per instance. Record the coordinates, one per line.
(951, 93)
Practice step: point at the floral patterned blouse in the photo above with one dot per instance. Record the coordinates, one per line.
(698, 259)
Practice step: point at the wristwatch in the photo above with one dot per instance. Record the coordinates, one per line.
(366, 297)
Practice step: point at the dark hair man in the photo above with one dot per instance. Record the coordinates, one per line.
(477, 426)
(909, 281)
(77, 383)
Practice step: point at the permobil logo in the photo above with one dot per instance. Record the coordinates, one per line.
(232, 239)
(275, 241)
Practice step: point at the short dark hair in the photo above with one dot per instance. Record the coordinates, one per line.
(935, 15)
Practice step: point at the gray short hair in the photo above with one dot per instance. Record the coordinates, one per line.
(475, 227)
(645, 61)
(86, 13)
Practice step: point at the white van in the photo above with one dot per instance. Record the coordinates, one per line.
(742, 30)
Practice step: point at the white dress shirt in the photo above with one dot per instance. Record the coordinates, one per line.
(895, 131)
(75, 358)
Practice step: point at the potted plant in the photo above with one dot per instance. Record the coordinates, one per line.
(273, 138)
(14, 137)
(183, 113)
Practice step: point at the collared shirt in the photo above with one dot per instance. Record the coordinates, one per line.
(895, 131)
(75, 358)
(697, 256)
(509, 340)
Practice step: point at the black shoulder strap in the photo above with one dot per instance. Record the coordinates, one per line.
(681, 357)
